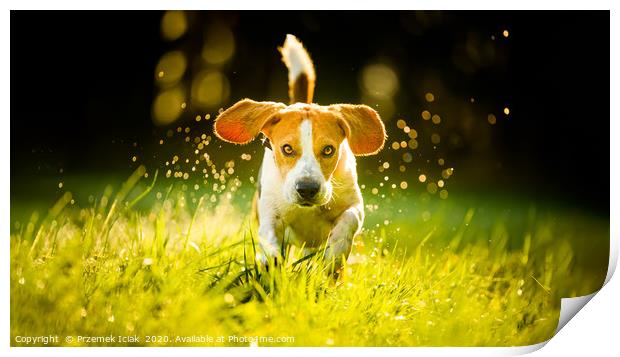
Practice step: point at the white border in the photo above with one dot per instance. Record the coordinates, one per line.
(312, 5)
(5, 189)
(578, 338)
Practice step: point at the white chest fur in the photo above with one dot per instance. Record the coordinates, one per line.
(310, 226)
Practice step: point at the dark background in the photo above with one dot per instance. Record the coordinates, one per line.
(82, 87)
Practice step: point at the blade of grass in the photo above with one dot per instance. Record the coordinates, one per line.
(191, 223)
(144, 193)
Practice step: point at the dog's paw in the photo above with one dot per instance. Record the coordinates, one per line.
(266, 255)
(339, 243)
(270, 250)
(337, 252)
(261, 259)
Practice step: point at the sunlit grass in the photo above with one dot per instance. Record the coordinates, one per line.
(465, 276)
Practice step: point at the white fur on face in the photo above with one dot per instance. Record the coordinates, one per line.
(306, 168)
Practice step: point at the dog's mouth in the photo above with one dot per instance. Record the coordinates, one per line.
(309, 203)
(306, 204)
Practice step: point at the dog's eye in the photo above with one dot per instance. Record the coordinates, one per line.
(287, 150)
(328, 151)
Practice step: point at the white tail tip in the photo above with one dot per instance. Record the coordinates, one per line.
(296, 59)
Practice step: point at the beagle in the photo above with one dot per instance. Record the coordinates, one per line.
(308, 190)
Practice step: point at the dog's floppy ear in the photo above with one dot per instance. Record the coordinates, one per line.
(241, 123)
(363, 127)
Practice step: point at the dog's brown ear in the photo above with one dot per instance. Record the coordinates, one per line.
(363, 127)
(241, 123)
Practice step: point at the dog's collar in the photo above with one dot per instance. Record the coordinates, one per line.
(266, 143)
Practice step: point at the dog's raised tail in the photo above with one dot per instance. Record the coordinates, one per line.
(301, 77)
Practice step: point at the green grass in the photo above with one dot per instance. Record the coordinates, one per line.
(159, 261)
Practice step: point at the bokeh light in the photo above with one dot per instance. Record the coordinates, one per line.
(491, 119)
(219, 45)
(210, 88)
(447, 173)
(379, 84)
(173, 25)
(170, 68)
(379, 80)
(167, 106)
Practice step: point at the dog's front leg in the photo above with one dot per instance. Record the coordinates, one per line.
(268, 240)
(341, 236)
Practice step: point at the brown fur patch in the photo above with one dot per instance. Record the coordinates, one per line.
(325, 131)
(363, 126)
(241, 123)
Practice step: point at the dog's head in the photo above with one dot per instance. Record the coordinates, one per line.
(307, 140)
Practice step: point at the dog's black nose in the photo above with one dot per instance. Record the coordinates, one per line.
(307, 189)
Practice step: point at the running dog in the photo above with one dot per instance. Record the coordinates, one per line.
(307, 184)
